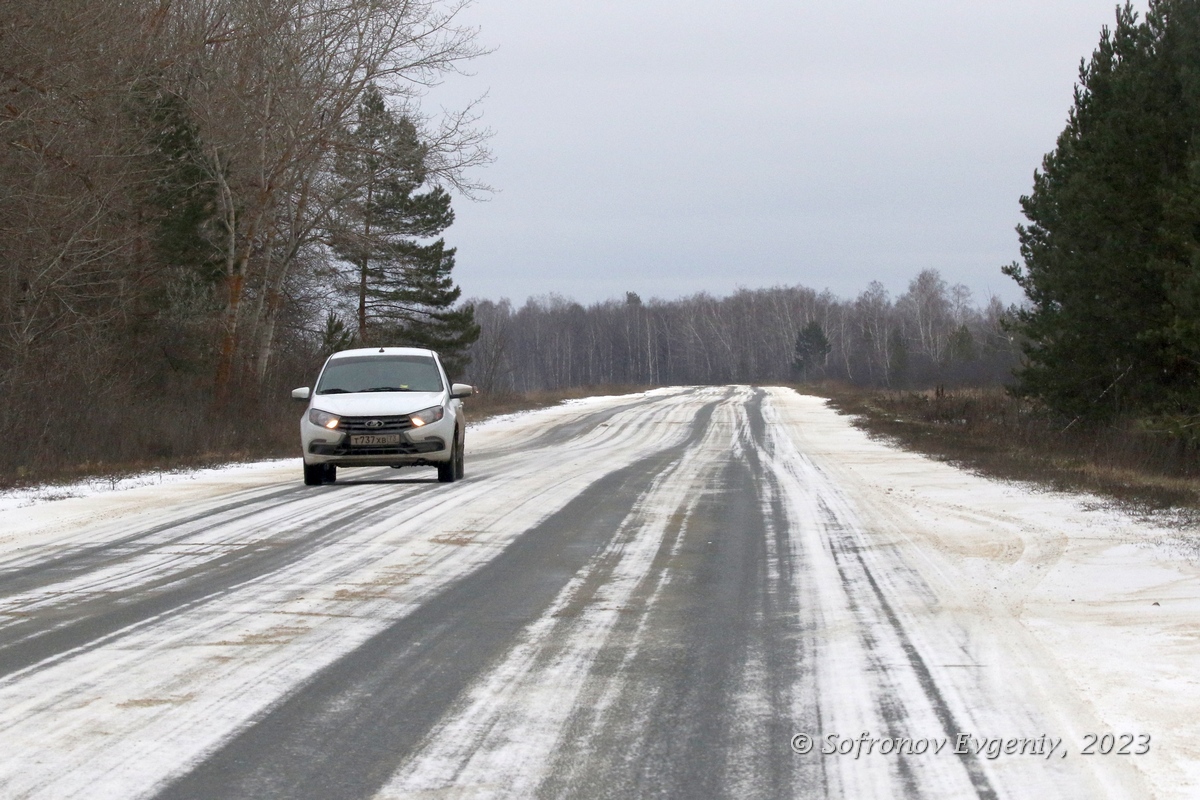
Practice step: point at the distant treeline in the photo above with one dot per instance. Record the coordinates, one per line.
(932, 334)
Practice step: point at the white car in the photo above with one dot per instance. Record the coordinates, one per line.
(382, 407)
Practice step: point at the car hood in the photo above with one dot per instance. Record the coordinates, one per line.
(376, 404)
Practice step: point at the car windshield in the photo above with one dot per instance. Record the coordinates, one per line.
(380, 374)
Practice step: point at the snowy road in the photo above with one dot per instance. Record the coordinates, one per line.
(650, 595)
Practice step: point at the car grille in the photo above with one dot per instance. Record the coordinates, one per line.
(360, 424)
(403, 449)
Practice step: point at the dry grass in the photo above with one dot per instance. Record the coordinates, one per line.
(113, 443)
(990, 432)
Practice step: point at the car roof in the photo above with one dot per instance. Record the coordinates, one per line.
(383, 351)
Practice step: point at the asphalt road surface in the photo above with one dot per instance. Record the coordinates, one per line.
(691, 593)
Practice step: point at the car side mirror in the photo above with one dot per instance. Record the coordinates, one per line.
(461, 390)
(302, 393)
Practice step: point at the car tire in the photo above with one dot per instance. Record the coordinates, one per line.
(448, 470)
(460, 466)
(314, 474)
(330, 473)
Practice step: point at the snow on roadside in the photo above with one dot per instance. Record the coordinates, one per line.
(1108, 602)
(12, 499)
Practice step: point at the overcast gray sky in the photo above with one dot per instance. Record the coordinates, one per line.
(670, 147)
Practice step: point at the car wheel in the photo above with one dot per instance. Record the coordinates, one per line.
(460, 466)
(448, 470)
(330, 473)
(314, 474)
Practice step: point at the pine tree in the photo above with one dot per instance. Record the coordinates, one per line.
(897, 374)
(1178, 259)
(334, 336)
(1110, 250)
(183, 197)
(812, 347)
(961, 347)
(404, 289)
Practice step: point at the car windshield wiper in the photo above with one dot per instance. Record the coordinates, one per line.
(388, 389)
(334, 391)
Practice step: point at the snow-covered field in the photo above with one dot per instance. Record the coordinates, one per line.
(652, 594)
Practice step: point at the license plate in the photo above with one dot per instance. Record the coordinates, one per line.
(374, 439)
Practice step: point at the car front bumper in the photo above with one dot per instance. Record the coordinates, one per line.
(429, 444)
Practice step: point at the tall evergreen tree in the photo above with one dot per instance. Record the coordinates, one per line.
(182, 198)
(812, 347)
(402, 282)
(1110, 251)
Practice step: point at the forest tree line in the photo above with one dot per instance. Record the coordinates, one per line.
(931, 334)
(191, 189)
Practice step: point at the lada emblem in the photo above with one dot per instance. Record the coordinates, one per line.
(374, 423)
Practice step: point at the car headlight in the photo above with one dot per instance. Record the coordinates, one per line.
(323, 418)
(427, 416)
